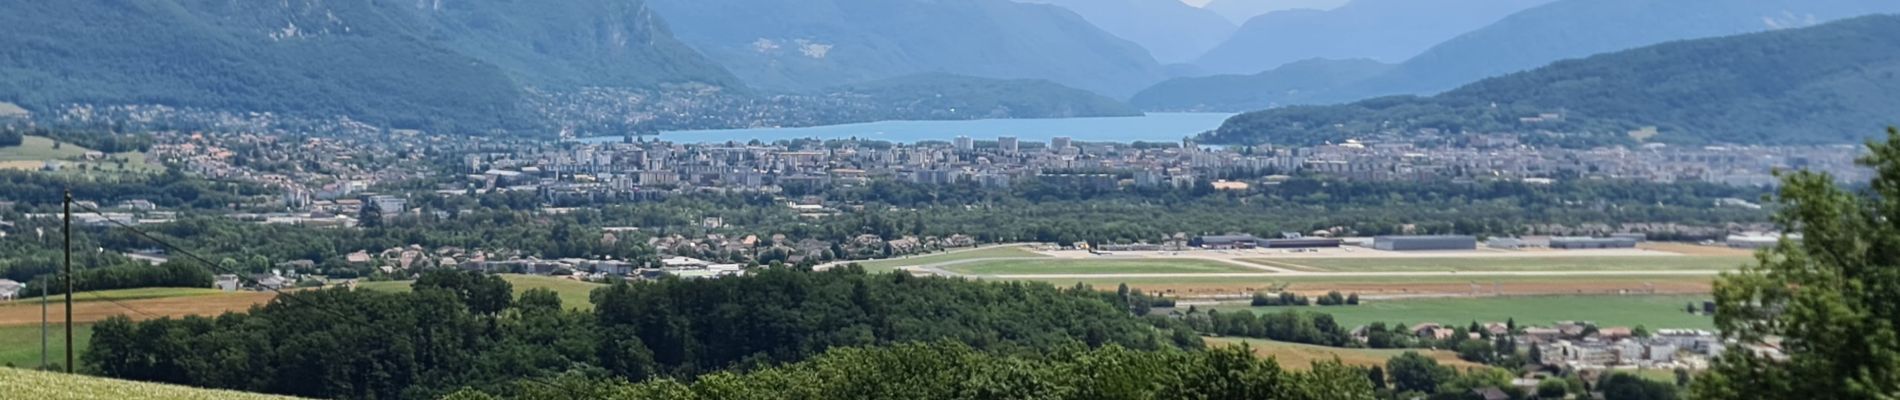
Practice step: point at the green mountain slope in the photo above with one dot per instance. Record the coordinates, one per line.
(1578, 28)
(944, 96)
(805, 45)
(1832, 83)
(443, 65)
(1258, 91)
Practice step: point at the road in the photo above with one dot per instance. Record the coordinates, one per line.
(1276, 272)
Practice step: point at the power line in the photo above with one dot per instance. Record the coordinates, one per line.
(220, 268)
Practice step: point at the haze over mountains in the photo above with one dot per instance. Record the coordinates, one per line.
(1172, 31)
(1239, 11)
(1832, 83)
(809, 44)
(1382, 30)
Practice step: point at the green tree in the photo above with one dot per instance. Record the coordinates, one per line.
(1413, 372)
(370, 215)
(1832, 298)
(1552, 389)
(1622, 386)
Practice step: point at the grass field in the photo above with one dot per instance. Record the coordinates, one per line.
(1655, 312)
(1302, 356)
(888, 265)
(27, 384)
(1483, 264)
(20, 345)
(33, 151)
(12, 110)
(573, 293)
(38, 148)
(1098, 266)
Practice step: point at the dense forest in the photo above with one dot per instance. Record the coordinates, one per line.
(461, 329)
(1825, 84)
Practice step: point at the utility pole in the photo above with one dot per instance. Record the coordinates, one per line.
(45, 292)
(69, 281)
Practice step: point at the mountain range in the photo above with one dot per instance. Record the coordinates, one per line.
(1234, 93)
(1172, 31)
(1382, 30)
(1529, 39)
(1833, 83)
(442, 65)
(1577, 28)
(802, 45)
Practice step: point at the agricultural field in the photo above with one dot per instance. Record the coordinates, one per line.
(888, 265)
(574, 294)
(28, 384)
(20, 344)
(1653, 311)
(1297, 356)
(23, 313)
(1504, 264)
(1098, 266)
(127, 294)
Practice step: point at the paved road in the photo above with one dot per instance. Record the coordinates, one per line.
(938, 269)
(1367, 274)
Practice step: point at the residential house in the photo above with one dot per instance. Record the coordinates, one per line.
(228, 283)
(10, 289)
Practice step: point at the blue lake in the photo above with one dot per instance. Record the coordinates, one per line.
(1154, 127)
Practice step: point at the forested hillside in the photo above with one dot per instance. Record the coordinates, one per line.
(805, 45)
(446, 65)
(1288, 83)
(1826, 84)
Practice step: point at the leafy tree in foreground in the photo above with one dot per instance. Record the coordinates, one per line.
(1832, 298)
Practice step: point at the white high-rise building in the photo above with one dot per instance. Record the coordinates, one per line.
(965, 144)
(1008, 144)
(1060, 142)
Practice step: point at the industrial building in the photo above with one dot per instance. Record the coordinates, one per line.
(1227, 242)
(1301, 243)
(1425, 243)
(1232, 242)
(1507, 243)
(1576, 243)
(1757, 240)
